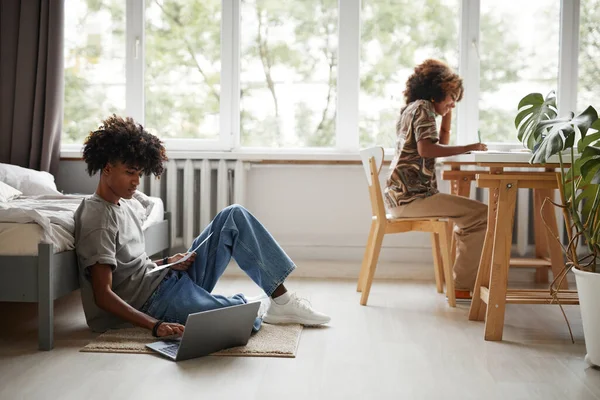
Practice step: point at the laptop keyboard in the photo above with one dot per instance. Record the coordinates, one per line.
(171, 350)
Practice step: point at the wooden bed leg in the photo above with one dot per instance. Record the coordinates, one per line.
(45, 297)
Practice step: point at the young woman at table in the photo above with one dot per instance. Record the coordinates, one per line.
(411, 191)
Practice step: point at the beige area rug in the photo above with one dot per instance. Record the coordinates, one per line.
(269, 341)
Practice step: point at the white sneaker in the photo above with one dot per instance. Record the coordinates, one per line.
(265, 302)
(296, 311)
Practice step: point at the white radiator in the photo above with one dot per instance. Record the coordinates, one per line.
(193, 191)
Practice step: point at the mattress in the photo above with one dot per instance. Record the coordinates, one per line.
(22, 239)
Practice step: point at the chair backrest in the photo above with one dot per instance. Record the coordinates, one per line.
(372, 160)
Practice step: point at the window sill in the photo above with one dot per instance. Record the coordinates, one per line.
(270, 156)
(262, 156)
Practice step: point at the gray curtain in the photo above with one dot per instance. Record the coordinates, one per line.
(31, 82)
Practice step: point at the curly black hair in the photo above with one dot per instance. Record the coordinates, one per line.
(432, 80)
(123, 140)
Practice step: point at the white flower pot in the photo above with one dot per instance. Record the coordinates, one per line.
(588, 287)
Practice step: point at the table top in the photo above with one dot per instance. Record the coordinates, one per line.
(490, 157)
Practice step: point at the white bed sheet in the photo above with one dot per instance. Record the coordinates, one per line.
(22, 238)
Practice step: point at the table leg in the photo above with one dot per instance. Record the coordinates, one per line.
(464, 187)
(505, 213)
(478, 306)
(554, 249)
(461, 187)
(539, 230)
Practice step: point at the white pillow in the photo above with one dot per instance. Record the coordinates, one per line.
(7, 193)
(30, 182)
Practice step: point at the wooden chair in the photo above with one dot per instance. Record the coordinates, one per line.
(382, 224)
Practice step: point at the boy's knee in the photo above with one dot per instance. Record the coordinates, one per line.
(235, 208)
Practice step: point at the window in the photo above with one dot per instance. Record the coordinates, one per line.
(589, 54)
(182, 68)
(511, 42)
(264, 74)
(288, 73)
(396, 36)
(94, 65)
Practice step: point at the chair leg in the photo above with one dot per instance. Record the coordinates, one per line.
(437, 262)
(372, 262)
(444, 249)
(365, 263)
(451, 242)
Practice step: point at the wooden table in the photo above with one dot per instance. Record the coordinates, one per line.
(491, 293)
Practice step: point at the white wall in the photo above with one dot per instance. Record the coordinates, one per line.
(322, 212)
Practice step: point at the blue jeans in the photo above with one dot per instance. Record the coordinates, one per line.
(237, 234)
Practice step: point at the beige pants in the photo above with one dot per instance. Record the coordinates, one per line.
(470, 219)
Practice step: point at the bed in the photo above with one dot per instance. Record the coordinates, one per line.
(37, 260)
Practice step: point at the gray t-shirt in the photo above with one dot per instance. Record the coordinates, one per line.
(111, 234)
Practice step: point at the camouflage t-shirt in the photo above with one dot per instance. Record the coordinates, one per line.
(412, 176)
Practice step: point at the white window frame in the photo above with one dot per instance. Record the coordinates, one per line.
(469, 69)
(348, 79)
(229, 81)
(135, 55)
(568, 64)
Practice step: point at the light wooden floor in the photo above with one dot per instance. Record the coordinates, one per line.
(407, 344)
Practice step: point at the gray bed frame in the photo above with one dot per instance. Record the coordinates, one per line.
(47, 276)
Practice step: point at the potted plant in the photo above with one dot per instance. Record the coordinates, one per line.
(575, 141)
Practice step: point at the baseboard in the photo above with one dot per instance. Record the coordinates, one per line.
(354, 254)
(397, 263)
(417, 271)
(327, 269)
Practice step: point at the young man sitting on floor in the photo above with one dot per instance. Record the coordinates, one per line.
(117, 285)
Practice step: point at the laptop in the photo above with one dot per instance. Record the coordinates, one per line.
(210, 331)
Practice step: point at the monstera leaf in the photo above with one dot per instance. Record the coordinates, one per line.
(590, 165)
(591, 138)
(560, 133)
(534, 109)
(546, 135)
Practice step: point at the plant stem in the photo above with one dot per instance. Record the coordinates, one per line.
(589, 239)
(566, 214)
(592, 218)
(573, 185)
(563, 179)
(574, 212)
